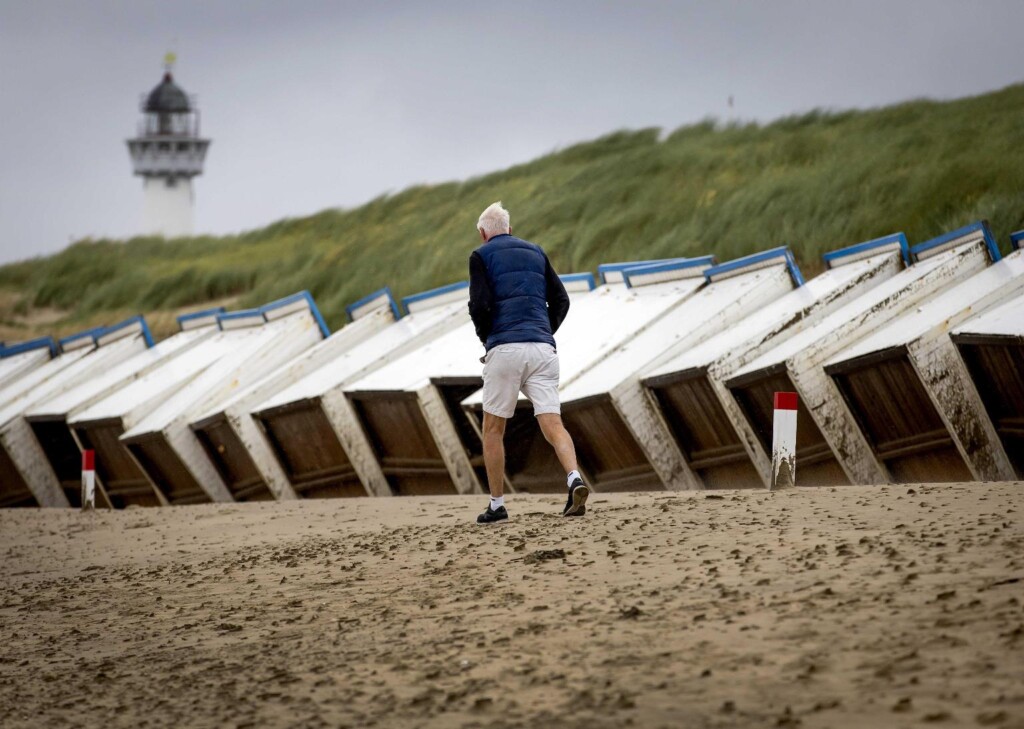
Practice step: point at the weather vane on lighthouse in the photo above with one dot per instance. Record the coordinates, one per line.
(167, 153)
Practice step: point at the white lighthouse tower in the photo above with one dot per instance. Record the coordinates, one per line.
(167, 153)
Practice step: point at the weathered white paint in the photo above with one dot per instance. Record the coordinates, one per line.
(121, 374)
(783, 444)
(34, 378)
(1004, 320)
(717, 306)
(13, 367)
(269, 347)
(804, 354)
(720, 356)
(344, 421)
(445, 435)
(16, 436)
(924, 332)
(132, 402)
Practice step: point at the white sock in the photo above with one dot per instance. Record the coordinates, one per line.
(573, 475)
(497, 503)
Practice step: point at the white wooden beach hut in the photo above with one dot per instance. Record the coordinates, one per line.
(162, 443)
(911, 394)
(49, 418)
(309, 440)
(621, 442)
(100, 426)
(68, 351)
(230, 437)
(18, 359)
(828, 439)
(709, 432)
(992, 347)
(25, 468)
(408, 413)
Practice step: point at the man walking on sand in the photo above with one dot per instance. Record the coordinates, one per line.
(517, 303)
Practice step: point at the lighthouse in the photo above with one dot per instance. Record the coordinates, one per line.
(167, 153)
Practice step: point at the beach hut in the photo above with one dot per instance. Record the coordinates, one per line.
(18, 359)
(911, 394)
(100, 426)
(232, 439)
(49, 418)
(68, 351)
(828, 439)
(621, 443)
(408, 411)
(992, 347)
(24, 469)
(688, 392)
(162, 443)
(309, 442)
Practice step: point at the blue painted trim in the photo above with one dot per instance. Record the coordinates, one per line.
(300, 296)
(94, 334)
(782, 252)
(605, 268)
(146, 334)
(672, 264)
(199, 314)
(980, 225)
(886, 240)
(433, 292)
(573, 277)
(243, 314)
(370, 297)
(21, 347)
(1017, 240)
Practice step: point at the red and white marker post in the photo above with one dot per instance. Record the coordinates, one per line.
(88, 480)
(784, 441)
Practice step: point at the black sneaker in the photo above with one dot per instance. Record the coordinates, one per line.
(492, 516)
(576, 504)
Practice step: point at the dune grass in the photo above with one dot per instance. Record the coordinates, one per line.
(814, 182)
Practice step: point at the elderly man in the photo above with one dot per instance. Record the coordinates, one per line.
(517, 303)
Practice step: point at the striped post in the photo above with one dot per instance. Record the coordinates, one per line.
(784, 441)
(88, 479)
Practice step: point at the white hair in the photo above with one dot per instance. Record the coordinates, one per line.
(494, 220)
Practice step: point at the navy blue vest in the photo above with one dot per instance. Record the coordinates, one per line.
(516, 271)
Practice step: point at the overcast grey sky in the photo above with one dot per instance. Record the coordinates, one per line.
(314, 104)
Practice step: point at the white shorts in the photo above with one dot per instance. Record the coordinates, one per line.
(530, 367)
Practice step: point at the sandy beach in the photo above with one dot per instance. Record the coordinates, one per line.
(850, 607)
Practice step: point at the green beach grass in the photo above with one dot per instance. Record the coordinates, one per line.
(814, 182)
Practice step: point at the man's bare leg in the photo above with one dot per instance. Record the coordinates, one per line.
(556, 434)
(494, 453)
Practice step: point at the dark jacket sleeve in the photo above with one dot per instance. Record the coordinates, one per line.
(558, 299)
(481, 298)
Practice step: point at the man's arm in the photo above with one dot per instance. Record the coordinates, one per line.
(558, 299)
(481, 298)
